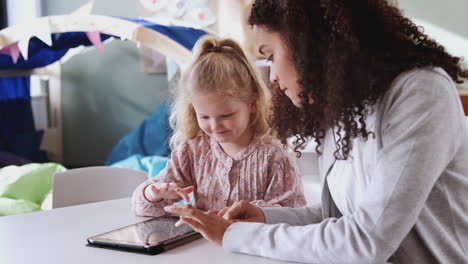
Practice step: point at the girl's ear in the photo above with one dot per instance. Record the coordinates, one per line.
(253, 107)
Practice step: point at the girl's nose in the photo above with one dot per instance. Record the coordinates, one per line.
(215, 124)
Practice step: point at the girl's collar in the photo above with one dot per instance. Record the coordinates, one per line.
(247, 151)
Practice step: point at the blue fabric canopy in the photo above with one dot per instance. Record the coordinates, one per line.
(17, 132)
(40, 54)
(183, 35)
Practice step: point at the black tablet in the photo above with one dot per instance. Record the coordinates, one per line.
(151, 236)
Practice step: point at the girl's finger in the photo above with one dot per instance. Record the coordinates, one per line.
(182, 194)
(189, 189)
(186, 191)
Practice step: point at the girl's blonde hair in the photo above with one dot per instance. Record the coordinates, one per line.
(219, 65)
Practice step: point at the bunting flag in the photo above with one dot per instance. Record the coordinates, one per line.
(201, 16)
(95, 38)
(194, 12)
(177, 8)
(157, 57)
(153, 5)
(85, 9)
(12, 51)
(23, 46)
(42, 31)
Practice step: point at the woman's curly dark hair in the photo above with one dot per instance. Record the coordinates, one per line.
(347, 52)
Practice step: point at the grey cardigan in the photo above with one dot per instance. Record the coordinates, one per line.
(416, 206)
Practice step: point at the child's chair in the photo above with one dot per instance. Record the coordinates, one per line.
(94, 184)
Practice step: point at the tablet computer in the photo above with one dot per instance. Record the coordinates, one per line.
(151, 236)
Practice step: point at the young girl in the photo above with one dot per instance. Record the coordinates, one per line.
(223, 149)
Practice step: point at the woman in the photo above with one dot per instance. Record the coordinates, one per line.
(378, 96)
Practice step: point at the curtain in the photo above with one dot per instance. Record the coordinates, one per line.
(17, 132)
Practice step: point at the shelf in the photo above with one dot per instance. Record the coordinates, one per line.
(464, 100)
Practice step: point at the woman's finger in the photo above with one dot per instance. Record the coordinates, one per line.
(223, 211)
(214, 212)
(186, 210)
(193, 223)
(235, 211)
(180, 222)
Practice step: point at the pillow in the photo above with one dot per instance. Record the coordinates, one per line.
(13, 206)
(27, 184)
(151, 164)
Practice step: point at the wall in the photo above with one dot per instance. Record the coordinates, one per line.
(103, 96)
(444, 21)
(449, 15)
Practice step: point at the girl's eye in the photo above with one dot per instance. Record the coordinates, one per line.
(205, 117)
(226, 116)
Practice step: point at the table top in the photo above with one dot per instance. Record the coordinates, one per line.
(59, 236)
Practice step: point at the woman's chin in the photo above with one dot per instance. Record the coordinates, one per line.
(297, 104)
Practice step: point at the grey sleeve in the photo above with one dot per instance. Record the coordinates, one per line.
(419, 136)
(293, 216)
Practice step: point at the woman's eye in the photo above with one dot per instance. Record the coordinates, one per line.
(270, 58)
(205, 117)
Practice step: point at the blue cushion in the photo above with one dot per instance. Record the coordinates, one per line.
(150, 138)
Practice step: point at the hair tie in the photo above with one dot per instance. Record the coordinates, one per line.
(216, 49)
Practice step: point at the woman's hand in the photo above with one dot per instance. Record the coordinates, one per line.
(243, 211)
(162, 190)
(210, 225)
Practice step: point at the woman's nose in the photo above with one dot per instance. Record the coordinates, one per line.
(273, 77)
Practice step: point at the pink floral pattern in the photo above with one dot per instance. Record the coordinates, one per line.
(263, 173)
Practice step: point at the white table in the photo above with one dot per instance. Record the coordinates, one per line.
(59, 236)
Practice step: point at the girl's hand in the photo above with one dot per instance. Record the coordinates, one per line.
(210, 225)
(161, 190)
(243, 211)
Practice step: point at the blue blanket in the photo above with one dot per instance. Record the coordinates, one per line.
(147, 146)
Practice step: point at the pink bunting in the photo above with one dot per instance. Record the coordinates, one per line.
(157, 58)
(201, 16)
(95, 38)
(12, 51)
